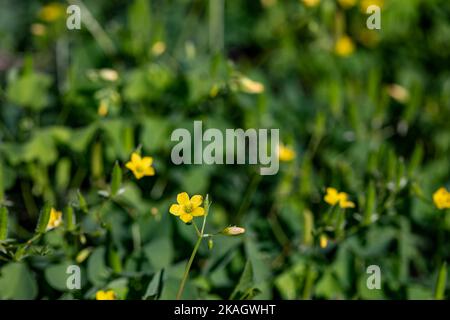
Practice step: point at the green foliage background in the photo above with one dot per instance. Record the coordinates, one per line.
(342, 115)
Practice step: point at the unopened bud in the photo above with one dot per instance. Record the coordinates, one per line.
(210, 244)
(233, 231)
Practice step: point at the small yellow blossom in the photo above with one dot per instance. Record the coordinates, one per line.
(311, 3)
(233, 231)
(334, 197)
(52, 12)
(140, 166)
(398, 92)
(347, 3)
(38, 29)
(367, 3)
(250, 86)
(158, 48)
(441, 198)
(285, 154)
(344, 46)
(55, 219)
(105, 295)
(108, 74)
(187, 208)
(102, 108)
(323, 241)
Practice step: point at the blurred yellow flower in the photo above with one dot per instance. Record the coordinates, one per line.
(285, 154)
(187, 208)
(52, 12)
(311, 3)
(55, 219)
(367, 3)
(103, 109)
(347, 3)
(323, 241)
(441, 198)
(108, 74)
(105, 295)
(344, 46)
(250, 86)
(140, 166)
(158, 48)
(38, 29)
(334, 197)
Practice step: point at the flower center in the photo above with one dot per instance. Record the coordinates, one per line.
(188, 208)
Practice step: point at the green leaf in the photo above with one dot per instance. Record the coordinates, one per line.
(56, 275)
(3, 223)
(159, 253)
(116, 179)
(97, 270)
(30, 90)
(155, 286)
(245, 282)
(439, 293)
(44, 217)
(17, 281)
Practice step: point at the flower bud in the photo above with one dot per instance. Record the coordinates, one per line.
(233, 231)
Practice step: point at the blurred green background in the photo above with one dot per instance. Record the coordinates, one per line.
(365, 111)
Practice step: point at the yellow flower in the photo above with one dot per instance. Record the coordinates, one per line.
(344, 46)
(158, 48)
(51, 12)
(323, 241)
(105, 295)
(285, 154)
(250, 86)
(311, 3)
(367, 3)
(103, 108)
(441, 198)
(108, 74)
(187, 208)
(38, 29)
(347, 3)
(55, 219)
(344, 203)
(140, 166)
(334, 197)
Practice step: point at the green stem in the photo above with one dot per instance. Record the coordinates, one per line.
(188, 267)
(194, 251)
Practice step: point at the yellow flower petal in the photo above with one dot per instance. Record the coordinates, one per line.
(196, 201)
(344, 46)
(130, 165)
(105, 295)
(183, 198)
(149, 171)
(147, 161)
(135, 158)
(441, 198)
(186, 217)
(197, 212)
(332, 196)
(175, 209)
